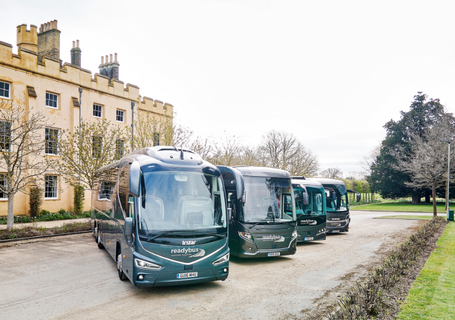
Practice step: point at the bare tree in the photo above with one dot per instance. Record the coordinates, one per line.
(227, 151)
(367, 162)
(332, 173)
(84, 151)
(284, 151)
(202, 146)
(250, 157)
(181, 136)
(22, 151)
(151, 130)
(427, 167)
(304, 163)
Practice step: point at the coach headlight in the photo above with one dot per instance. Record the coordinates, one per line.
(294, 234)
(146, 265)
(246, 236)
(224, 258)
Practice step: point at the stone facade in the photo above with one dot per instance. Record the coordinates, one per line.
(31, 75)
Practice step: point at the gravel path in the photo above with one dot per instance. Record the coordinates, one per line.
(70, 278)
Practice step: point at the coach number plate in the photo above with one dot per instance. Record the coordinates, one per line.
(186, 275)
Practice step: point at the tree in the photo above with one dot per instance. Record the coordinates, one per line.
(21, 151)
(203, 146)
(250, 156)
(332, 173)
(181, 136)
(151, 130)
(427, 166)
(384, 176)
(227, 151)
(88, 148)
(284, 151)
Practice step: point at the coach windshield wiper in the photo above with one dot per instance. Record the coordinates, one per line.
(150, 239)
(256, 223)
(220, 236)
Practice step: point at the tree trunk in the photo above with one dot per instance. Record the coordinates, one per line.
(427, 196)
(433, 194)
(416, 197)
(10, 219)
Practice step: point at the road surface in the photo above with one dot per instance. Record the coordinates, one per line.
(70, 278)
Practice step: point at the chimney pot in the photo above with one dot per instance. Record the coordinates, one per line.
(73, 45)
(115, 57)
(77, 43)
(102, 60)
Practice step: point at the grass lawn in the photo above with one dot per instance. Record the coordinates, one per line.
(413, 217)
(400, 207)
(432, 294)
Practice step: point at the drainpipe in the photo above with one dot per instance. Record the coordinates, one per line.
(132, 126)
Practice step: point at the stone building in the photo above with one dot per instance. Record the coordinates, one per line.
(36, 78)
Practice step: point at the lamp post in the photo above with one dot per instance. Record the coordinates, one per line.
(448, 180)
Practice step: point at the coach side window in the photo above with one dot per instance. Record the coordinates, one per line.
(123, 189)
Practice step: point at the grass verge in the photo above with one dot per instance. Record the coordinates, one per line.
(431, 296)
(400, 207)
(378, 297)
(413, 217)
(41, 231)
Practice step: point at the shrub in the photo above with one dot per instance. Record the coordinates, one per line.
(367, 300)
(44, 212)
(79, 195)
(62, 211)
(35, 201)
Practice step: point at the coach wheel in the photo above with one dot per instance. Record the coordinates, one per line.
(121, 274)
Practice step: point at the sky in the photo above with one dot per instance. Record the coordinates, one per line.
(331, 72)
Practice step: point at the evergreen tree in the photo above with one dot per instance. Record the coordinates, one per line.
(385, 177)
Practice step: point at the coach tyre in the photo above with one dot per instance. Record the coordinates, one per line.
(121, 274)
(95, 233)
(100, 245)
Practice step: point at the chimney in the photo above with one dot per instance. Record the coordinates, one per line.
(76, 54)
(110, 69)
(27, 39)
(49, 40)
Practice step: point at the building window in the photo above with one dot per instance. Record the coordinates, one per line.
(120, 115)
(5, 135)
(156, 139)
(4, 90)
(106, 190)
(51, 187)
(51, 100)
(3, 186)
(97, 110)
(97, 146)
(51, 141)
(119, 148)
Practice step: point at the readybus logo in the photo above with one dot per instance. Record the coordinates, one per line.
(273, 237)
(190, 252)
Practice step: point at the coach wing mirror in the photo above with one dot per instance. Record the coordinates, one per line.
(358, 196)
(135, 178)
(305, 198)
(128, 227)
